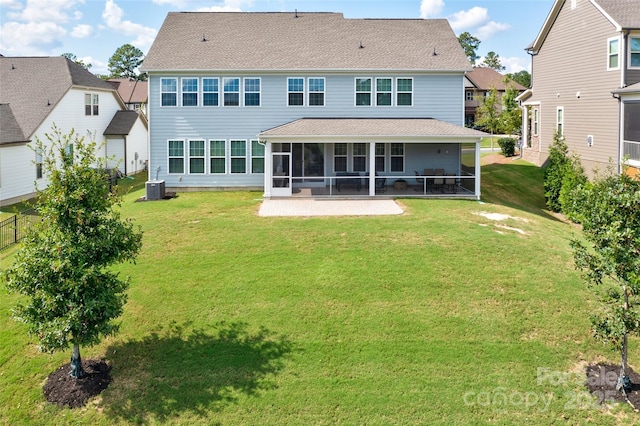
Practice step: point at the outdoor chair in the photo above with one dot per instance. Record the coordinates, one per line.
(429, 172)
(450, 182)
(381, 184)
(419, 181)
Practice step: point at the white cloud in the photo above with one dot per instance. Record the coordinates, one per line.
(10, 4)
(490, 28)
(30, 39)
(471, 18)
(47, 11)
(112, 16)
(431, 8)
(515, 64)
(227, 6)
(82, 31)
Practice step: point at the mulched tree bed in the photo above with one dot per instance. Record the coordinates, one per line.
(601, 382)
(66, 391)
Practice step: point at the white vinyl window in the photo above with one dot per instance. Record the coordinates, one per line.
(404, 92)
(238, 156)
(295, 91)
(176, 156)
(634, 52)
(363, 92)
(168, 92)
(257, 157)
(316, 91)
(210, 92)
(231, 91)
(613, 53)
(560, 121)
(340, 157)
(397, 157)
(91, 104)
(384, 88)
(217, 157)
(196, 156)
(536, 120)
(251, 92)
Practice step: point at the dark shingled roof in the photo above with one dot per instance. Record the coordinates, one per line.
(10, 131)
(121, 123)
(484, 78)
(32, 86)
(625, 13)
(302, 41)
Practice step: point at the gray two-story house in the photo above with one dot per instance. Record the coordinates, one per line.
(585, 75)
(310, 104)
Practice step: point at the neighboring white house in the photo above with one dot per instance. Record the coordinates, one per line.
(38, 92)
(310, 104)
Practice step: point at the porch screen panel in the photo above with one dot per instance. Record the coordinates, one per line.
(380, 156)
(632, 130)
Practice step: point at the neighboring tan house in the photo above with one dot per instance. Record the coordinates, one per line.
(480, 82)
(309, 104)
(586, 66)
(38, 92)
(133, 92)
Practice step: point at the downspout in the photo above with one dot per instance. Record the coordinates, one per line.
(620, 141)
(125, 155)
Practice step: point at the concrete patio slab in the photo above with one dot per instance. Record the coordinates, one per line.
(320, 207)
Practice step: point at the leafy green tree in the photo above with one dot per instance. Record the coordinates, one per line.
(492, 60)
(487, 114)
(521, 77)
(125, 63)
(511, 114)
(573, 177)
(554, 172)
(470, 45)
(62, 268)
(74, 58)
(610, 216)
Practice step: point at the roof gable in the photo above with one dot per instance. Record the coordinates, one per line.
(33, 86)
(131, 91)
(484, 78)
(314, 41)
(122, 123)
(10, 131)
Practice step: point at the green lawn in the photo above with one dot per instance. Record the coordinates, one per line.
(438, 316)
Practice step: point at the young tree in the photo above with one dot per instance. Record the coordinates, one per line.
(125, 61)
(610, 216)
(492, 60)
(74, 58)
(470, 45)
(511, 115)
(554, 172)
(487, 115)
(71, 297)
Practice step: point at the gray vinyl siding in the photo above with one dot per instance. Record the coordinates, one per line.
(572, 59)
(438, 96)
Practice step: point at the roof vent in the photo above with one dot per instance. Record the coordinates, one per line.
(203, 38)
(434, 52)
(12, 67)
(296, 14)
(361, 45)
(48, 103)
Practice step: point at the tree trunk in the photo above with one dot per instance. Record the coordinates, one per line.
(624, 382)
(76, 363)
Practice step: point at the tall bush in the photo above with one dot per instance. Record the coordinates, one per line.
(574, 177)
(555, 171)
(508, 146)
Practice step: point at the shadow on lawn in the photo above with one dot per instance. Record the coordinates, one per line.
(180, 369)
(518, 185)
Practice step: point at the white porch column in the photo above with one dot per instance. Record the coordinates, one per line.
(477, 172)
(268, 170)
(372, 169)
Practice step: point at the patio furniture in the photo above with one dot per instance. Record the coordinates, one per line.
(400, 184)
(450, 182)
(356, 181)
(381, 184)
(419, 181)
(429, 172)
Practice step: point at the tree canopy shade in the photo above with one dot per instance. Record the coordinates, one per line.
(609, 211)
(124, 63)
(71, 297)
(470, 45)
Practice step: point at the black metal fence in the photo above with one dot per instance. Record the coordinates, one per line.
(12, 230)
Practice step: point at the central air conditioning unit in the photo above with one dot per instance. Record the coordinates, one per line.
(155, 189)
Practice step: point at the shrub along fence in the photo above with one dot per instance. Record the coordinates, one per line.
(12, 230)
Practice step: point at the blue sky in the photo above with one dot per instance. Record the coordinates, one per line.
(94, 29)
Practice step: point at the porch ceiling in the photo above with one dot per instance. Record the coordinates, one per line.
(372, 129)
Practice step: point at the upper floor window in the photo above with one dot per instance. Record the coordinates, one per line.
(404, 92)
(363, 91)
(38, 163)
(169, 91)
(251, 92)
(634, 54)
(469, 95)
(189, 92)
(90, 104)
(231, 91)
(295, 91)
(560, 121)
(384, 88)
(613, 53)
(316, 91)
(210, 92)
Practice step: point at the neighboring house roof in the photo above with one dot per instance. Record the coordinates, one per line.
(195, 41)
(370, 127)
(484, 78)
(131, 91)
(634, 88)
(32, 86)
(122, 123)
(10, 131)
(623, 14)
